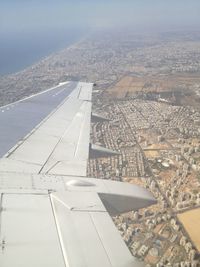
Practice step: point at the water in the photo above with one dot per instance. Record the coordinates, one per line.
(22, 49)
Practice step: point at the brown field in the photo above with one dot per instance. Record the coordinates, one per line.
(151, 153)
(190, 221)
(129, 84)
(162, 146)
(126, 84)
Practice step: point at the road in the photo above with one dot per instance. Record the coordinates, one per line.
(19, 118)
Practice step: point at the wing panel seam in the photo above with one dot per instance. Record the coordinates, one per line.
(59, 232)
(90, 213)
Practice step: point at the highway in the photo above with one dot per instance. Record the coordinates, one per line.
(20, 118)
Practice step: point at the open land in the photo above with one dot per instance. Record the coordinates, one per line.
(190, 220)
(174, 88)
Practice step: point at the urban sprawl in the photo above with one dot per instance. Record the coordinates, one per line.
(148, 88)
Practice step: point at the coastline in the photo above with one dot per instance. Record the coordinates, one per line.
(37, 77)
(40, 59)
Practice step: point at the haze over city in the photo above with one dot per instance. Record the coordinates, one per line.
(142, 60)
(31, 29)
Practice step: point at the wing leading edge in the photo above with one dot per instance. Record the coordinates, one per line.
(58, 145)
(49, 214)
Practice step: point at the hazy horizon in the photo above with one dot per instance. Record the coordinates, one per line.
(36, 15)
(39, 27)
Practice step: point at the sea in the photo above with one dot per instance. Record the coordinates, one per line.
(19, 50)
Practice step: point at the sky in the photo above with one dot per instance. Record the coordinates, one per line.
(43, 15)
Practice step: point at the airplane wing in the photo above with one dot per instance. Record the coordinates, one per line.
(50, 213)
(59, 144)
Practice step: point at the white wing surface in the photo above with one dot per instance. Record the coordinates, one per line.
(59, 144)
(50, 215)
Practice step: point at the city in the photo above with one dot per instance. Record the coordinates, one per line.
(148, 87)
(159, 148)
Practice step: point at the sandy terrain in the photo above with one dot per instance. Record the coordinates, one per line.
(176, 82)
(190, 221)
(151, 154)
